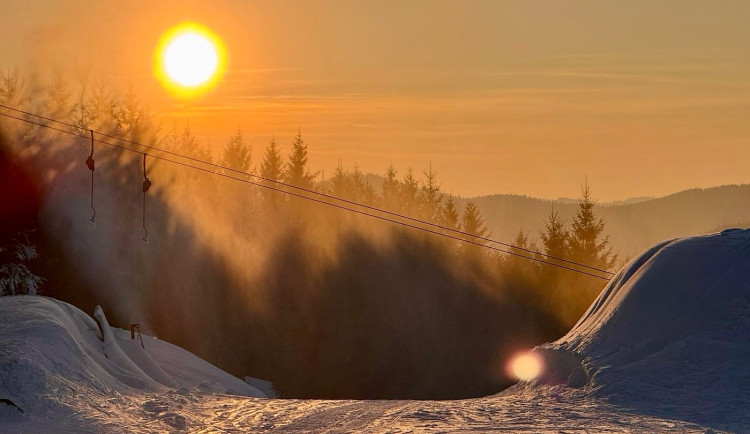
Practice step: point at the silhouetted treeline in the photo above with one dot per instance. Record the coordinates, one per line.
(322, 302)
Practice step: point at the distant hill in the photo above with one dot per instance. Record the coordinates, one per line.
(633, 225)
(627, 201)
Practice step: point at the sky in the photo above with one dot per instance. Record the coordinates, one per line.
(642, 98)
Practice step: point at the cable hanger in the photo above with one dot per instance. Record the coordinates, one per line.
(144, 189)
(90, 165)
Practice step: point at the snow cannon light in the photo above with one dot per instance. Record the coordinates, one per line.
(525, 366)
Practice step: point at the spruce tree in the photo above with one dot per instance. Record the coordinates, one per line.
(391, 189)
(555, 240)
(188, 142)
(130, 117)
(297, 173)
(523, 246)
(58, 98)
(431, 196)
(586, 242)
(102, 108)
(410, 194)
(13, 89)
(272, 169)
(339, 182)
(473, 223)
(237, 155)
(555, 236)
(363, 191)
(272, 166)
(449, 214)
(15, 276)
(171, 141)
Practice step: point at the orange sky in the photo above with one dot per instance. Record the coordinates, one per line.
(643, 97)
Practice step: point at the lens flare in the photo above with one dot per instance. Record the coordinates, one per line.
(189, 59)
(526, 366)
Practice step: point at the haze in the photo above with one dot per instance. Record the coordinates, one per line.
(645, 98)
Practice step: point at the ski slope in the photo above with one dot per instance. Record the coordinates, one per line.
(665, 347)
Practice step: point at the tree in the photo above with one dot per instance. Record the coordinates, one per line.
(15, 92)
(133, 120)
(431, 195)
(15, 276)
(237, 155)
(190, 146)
(12, 88)
(363, 191)
(410, 194)
(554, 238)
(171, 141)
(449, 214)
(272, 169)
(58, 97)
(518, 266)
(586, 244)
(391, 189)
(473, 223)
(101, 108)
(297, 173)
(272, 166)
(339, 182)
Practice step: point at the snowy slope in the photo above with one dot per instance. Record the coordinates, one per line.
(49, 349)
(665, 347)
(670, 334)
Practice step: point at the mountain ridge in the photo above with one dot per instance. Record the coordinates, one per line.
(632, 226)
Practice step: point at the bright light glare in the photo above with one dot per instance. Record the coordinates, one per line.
(190, 59)
(526, 366)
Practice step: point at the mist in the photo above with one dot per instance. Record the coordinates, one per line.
(318, 301)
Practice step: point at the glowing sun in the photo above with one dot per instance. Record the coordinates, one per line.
(189, 59)
(526, 366)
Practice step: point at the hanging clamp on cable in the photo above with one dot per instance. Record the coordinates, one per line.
(136, 328)
(90, 165)
(146, 186)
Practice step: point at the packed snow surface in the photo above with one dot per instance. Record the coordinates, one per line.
(665, 347)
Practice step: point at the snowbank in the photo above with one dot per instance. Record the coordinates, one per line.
(669, 335)
(49, 348)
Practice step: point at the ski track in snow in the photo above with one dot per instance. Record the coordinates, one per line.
(206, 412)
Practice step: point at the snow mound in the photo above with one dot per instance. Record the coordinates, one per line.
(669, 335)
(49, 348)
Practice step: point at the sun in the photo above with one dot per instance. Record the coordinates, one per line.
(189, 59)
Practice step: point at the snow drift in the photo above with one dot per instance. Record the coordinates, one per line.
(669, 335)
(49, 348)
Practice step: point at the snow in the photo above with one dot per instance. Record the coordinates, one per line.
(54, 362)
(665, 347)
(669, 335)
